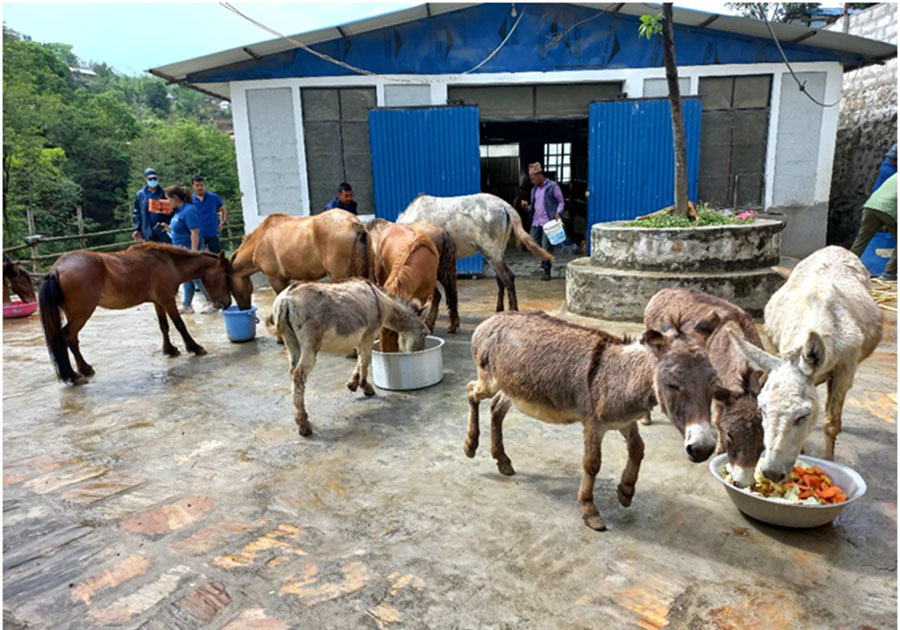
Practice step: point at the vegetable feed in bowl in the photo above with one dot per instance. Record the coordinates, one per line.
(805, 485)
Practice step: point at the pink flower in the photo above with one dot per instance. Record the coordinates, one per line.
(746, 214)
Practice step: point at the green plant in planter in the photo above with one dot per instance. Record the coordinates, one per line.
(705, 216)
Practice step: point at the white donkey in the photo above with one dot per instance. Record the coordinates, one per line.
(823, 322)
(339, 317)
(481, 224)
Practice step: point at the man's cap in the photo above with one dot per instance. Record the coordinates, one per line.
(535, 168)
(149, 171)
(892, 152)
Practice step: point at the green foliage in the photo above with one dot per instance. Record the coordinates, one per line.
(705, 217)
(70, 141)
(774, 11)
(650, 25)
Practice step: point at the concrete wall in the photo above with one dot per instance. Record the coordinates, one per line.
(867, 125)
(273, 146)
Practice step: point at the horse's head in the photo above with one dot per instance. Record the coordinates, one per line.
(19, 280)
(241, 286)
(684, 382)
(217, 282)
(788, 401)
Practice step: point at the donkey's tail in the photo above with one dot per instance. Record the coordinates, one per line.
(523, 237)
(50, 300)
(362, 258)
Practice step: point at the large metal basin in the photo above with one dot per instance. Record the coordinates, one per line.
(409, 370)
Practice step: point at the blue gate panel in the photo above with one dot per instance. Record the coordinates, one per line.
(430, 150)
(630, 157)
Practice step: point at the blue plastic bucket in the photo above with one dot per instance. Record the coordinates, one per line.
(878, 252)
(240, 325)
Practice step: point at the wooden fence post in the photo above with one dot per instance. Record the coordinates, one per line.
(29, 215)
(80, 217)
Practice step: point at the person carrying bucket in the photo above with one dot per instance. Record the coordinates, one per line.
(546, 205)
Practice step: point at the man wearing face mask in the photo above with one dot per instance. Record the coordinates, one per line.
(146, 223)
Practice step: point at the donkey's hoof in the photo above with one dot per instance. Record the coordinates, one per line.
(198, 351)
(368, 390)
(646, 421)
(171, 351)
(469, 450)
(625, 495)
(305, 430)
(505, 468)
(453, 329)
(352, 385)
(595, 522)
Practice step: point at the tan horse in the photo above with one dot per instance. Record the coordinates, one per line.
(406, 265)
(334, 243)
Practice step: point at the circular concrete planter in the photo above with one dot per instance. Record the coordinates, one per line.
(629, 265)
(710, 248)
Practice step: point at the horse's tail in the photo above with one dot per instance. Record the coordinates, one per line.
(362, 257)
(50, 299)
(447, 269)
(523, 237)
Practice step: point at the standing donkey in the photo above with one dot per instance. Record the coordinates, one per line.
(563, 373)
(735, 412)
(823, 322)
(339, 317)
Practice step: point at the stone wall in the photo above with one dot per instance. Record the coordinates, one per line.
(867, 125)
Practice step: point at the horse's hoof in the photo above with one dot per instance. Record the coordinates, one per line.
(453, 329)
(625, 496)
(199, 351)
(469, 450)
(595, 522)
(79, 380)
(505, 468)
(87, 371)
(171, 352)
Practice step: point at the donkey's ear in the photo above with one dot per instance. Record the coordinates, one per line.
(755, 382)
(707, 326)
(813, 355)
(424, 310)
(756, 357)
(654, 340)
(723, 394)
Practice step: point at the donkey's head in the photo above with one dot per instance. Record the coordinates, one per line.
(217, 283)
(407, 319)
(788, 401)
(741, 429)
(19, 279)
(684, 382)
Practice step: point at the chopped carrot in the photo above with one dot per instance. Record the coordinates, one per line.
(839, 498)
(805, 494)
(828, 493)
(818, 470)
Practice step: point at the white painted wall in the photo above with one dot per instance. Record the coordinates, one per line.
(817, 155)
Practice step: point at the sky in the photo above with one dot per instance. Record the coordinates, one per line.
(120, 33)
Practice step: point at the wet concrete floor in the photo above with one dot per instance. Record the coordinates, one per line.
(176, 493)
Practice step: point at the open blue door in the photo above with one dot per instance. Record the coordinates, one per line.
(431, 150)
(630, 156)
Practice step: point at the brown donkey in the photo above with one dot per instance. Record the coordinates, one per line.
(406, 265)
(81, 281)
(446, 274)
(563, 373)
(339, 317)
(736, 414)
(334, 243)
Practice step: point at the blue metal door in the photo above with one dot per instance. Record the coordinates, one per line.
(431, 150)
(630, 157)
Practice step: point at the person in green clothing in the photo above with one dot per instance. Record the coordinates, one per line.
(879, 213)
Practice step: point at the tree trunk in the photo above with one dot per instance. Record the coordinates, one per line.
(681, 193)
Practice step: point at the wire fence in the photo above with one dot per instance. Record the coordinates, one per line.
(29, 252)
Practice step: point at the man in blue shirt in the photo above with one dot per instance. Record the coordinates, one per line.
(344, 199)
(212, 214)
(145, 223)
(888, 166)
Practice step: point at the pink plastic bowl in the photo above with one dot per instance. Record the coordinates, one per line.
(19, 309)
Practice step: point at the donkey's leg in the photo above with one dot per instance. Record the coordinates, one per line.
(645, 419)
(189, 343)
(476, 392)
(168, 348)
(591, 464)
(635, 447)
(839, 384)
(358, 374)
(500, 405)
(299, 375)
(365, 356)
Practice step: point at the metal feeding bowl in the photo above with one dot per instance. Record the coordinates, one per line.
(409, 370)
(791, 515)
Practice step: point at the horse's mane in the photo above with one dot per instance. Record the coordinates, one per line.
(169, 250)
(420, 239)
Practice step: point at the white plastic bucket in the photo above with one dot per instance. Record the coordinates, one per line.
(555, 231)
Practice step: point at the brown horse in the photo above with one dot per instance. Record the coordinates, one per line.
(146, 272)
(17, 280)
(406, 265)
(446, 274)
(334, 243)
